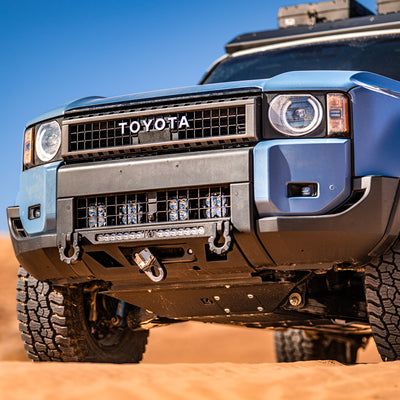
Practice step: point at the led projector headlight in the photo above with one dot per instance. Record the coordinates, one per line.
(295, 115)
(48, 140)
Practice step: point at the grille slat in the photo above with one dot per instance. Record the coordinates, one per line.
(133, 209)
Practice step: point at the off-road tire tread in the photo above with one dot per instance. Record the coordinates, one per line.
(382, 291)
(298, 345)
(294, 345)
(33, 311)
(51, 322)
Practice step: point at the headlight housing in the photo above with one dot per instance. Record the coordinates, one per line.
(296, 114)
(48, 140)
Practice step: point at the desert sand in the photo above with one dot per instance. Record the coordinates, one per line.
(185, 361)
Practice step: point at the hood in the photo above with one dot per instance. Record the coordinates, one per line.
(298, 80)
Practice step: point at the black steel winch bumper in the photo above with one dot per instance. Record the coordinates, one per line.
(223, 248)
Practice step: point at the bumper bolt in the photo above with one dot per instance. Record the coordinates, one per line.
(295, 299)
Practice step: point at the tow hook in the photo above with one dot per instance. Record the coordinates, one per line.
(66, 240)
(149, 265)
(228, 240)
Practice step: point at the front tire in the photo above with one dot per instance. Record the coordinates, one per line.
(297, 345)
(54, 326)
(382, 291)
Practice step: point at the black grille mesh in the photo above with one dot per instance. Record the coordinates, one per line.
(178, 205)
(210, 123)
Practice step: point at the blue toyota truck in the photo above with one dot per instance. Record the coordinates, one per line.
(267, 196)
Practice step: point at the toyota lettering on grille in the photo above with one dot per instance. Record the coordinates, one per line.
(165, 129)
(157, 124)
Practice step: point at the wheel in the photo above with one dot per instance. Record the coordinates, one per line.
(298, 345)
(56, 325)
(382, 291)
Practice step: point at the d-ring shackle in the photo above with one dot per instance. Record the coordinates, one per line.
(228, 240)
(64, 246)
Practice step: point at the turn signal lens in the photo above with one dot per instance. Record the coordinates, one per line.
(338, 115)
(28, 148)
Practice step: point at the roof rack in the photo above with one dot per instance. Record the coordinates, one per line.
(387, 6)
(350, 25)
(312, 13)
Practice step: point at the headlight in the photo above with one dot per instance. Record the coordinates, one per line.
(48, 140)
(295, 115)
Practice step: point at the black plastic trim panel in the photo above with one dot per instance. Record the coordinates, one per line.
(346, 237)
(155, 173)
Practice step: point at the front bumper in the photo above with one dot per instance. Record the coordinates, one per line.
(353, 235)
(229, 168)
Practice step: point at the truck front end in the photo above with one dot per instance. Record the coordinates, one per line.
(230, 193)
(257, 202)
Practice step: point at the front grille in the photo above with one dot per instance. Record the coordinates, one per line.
(173, 206)
(200, 124)
(208, 124)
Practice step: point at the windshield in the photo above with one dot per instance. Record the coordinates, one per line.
(378, 54)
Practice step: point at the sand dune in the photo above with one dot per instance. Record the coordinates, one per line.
(190, 360)
(313, 380)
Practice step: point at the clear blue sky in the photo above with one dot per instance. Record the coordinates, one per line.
(55, 51)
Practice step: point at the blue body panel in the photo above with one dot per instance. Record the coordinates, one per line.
(59, 111)
(376, 126)
(39, 186)
(326, 162)
(299, 80)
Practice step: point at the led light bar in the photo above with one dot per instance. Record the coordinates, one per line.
(150, 234)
